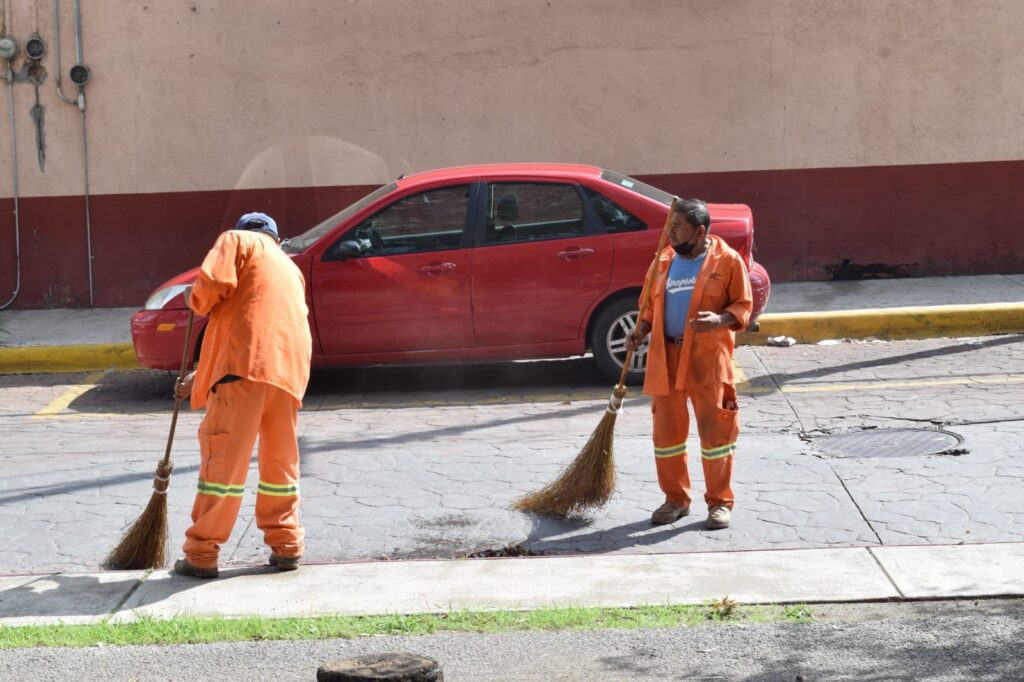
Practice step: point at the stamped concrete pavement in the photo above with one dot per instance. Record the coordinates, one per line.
(424, 462)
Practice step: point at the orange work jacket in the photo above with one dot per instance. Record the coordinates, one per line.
(706, 358)
(258, 329)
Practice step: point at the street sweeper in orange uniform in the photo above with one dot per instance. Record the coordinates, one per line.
(252, 373)
(699, 298)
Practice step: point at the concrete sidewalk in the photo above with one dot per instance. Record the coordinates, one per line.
(407, 587)
(78, 340)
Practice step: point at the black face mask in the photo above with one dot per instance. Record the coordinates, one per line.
(686, 247)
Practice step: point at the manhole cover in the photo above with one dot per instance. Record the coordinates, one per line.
(889, 443)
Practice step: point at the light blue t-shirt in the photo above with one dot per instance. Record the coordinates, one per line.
(682, 274)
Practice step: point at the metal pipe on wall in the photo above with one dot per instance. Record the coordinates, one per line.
(14, 185)
(5, 17)
(85, 150)
(56, 33)
(80, 101)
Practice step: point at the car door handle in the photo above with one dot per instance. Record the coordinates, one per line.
(575, 253)
(437, 268)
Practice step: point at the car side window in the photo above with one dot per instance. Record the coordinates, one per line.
(613, 217)
(428, 221)
(518, 212)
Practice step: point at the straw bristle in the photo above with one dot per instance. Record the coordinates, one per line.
(144, 545)
(587, 483)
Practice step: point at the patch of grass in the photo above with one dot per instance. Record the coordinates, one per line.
(792, 613)
(193, 630)
(797, 613)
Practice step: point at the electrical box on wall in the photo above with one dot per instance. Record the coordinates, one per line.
(35, 48)
(8, 48)
(79, 74)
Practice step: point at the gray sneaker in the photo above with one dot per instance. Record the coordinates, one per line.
(718, 517)
(670, 512)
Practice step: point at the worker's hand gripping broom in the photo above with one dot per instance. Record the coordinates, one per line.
(144, 545)
(589, 480)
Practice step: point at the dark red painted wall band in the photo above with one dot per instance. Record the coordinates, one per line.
(948, 219)
(934, 220)
(138, 240)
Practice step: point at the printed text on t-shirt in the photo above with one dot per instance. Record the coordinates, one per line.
(682, 284)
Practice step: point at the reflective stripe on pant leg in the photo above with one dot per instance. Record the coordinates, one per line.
(275, 490)
(219, 489)
(277, 498)
(671, 428)
(718, 428)
(226, 438)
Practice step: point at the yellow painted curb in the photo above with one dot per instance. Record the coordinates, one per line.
(920, 322)
(80, 358)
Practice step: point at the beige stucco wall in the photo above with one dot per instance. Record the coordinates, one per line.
(203, 94)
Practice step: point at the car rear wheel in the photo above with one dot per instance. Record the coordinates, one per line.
(608, 341)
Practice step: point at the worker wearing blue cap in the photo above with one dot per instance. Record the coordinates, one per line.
(252, 373)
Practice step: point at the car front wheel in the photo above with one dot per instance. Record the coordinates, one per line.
(608, 341)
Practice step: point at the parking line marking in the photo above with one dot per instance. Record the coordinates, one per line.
(739, 378)
(61, 403)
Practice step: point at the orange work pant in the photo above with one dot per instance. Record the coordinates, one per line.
(236, 413)
(718, 427)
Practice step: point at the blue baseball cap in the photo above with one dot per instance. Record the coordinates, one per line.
(257, 221)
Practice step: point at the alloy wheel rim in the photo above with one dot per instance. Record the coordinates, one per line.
(615, 342)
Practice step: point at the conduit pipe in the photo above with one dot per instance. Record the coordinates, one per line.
(9, 74)
(81, 107)
(56, 31)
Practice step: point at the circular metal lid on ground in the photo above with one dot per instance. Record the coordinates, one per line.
(889, 443)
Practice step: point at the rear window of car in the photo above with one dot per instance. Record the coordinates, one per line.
(613, 217)
(636, 186)
(527, 211)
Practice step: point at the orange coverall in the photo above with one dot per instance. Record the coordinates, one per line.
(701, 370)
(258, 331)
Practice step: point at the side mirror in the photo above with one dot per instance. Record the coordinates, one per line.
(344, 250)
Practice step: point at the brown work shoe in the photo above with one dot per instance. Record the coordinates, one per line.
(284, 563)
(670, 512)
(183, 567)
(718, 517)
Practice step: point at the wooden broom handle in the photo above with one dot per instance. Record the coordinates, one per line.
(645, 297)
(181, 376)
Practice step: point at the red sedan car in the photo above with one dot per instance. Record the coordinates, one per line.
(497, 262)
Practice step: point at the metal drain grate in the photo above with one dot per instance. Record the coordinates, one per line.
(889, 443)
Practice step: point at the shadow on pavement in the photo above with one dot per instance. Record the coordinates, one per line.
(944, 644)
(14, 495)
(606, 540)
(68, 596)
(431, 379)
(149, 391)
(776, 381)
(308, 446)
(85, 597)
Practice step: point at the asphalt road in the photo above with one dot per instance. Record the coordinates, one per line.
(973, 640)
(425, 462)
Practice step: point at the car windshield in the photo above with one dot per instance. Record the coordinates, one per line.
(637, 186)
(303, 241)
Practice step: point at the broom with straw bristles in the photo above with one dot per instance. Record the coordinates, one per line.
(589, 480)
(144, 545)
